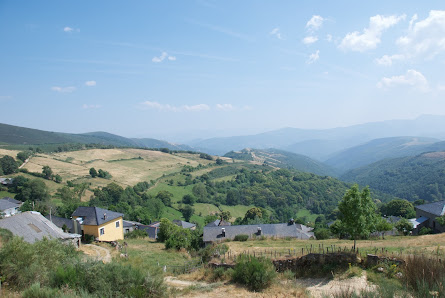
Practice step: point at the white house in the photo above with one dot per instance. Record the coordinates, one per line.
(9, 207)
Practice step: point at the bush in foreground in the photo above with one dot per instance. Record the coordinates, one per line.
(256, 273)
(241, 237)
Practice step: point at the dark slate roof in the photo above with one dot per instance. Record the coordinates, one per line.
(6, 204)
(218, 223)
(151, 231)
(94, 216)
(183, 224)
(12, 200)
(129, 223)
(418, 221)
(268, 230)
(436, 208)
(6, 181)
(33, 226)
(69, 223)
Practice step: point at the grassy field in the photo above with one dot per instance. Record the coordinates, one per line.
(147, 254)
(427, 244)
(306, 213)
(6, 194)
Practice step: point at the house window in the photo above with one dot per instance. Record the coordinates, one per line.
(117, 224)
(102, 231)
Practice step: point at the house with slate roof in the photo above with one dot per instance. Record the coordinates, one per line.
(9, 206)
(66, 224)
(33, 226)
(426, 216)
(103, 224)
(282, 230)
(184, 224)
(218, 223)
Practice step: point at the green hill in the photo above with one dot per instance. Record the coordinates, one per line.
(379, 149)
(16, 135)
(411, 178)
(283, 159)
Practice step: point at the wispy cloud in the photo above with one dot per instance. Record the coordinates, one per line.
(222, 30)
(172, 108)
(276, 32)
(5, 97)
(412, 78)
(70, 29)
(313, 57)
(163, 56)
(225, 107)
(63, 89)
(310, 39)
(386, 60)
(370, 38)
(315, 23)
(89, 107)
(90, 83)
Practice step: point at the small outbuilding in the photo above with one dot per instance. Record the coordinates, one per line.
(9, 206)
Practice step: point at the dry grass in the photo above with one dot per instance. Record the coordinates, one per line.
(12, 153)
(408, 244)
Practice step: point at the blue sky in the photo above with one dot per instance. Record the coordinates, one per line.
(183, 69)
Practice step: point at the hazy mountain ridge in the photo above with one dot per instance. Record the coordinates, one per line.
(320, 144)
(380, 149)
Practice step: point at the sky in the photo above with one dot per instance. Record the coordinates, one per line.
(179, 70)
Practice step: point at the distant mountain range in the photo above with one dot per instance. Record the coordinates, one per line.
(323, 144)
(10, 134)
(284, 159)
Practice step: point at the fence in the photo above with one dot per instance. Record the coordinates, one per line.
(182, 269)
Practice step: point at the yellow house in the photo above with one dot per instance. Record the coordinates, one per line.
(103, 224)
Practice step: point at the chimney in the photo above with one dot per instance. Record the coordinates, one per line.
(75, 226)
(259, 231)
(223, 232)
(291, 221)
(105, 216)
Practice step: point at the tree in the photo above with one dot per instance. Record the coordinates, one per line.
(219, 161)
(200, 191)
(383, 226)
(252, 213)
(8, 164)
(24, 155)
(188, 199)
(93, 172)
(187, 212)
(33, 190)
(399, 207)
(404, 226)
(166, 228)
(225, 215)
(47, 172)
(357, 213)
(166, 197)
(58, 178)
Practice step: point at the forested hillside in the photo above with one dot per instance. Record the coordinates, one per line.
(411, 178)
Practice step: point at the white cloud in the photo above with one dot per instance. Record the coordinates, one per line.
(5, 97)
(87, 107)
(276, 32)
(426, 37)
(69, 29)
(166, 107)
(388, 60)
(313, 57)
(63, 89)
(225, 107)
(310, 39)
(370, 38)
(163, 56)
(329, 37)
(90, 83)
(412, 78)
(315, 23)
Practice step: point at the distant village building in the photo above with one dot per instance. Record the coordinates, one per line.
(103, 224)
(153, 228)
(9, 206)
(282, 230)
(6, 181)
(184, 224)
(33, 226)
(426, 216)
(218, 223)
(130, 226)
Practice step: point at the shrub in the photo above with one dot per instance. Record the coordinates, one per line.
(35, 291)
(5, 235)
(425, 231)
(256, 273)
(210, 251)
(424, 274)
(241, 237)
(136, 234)
(322, 233)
